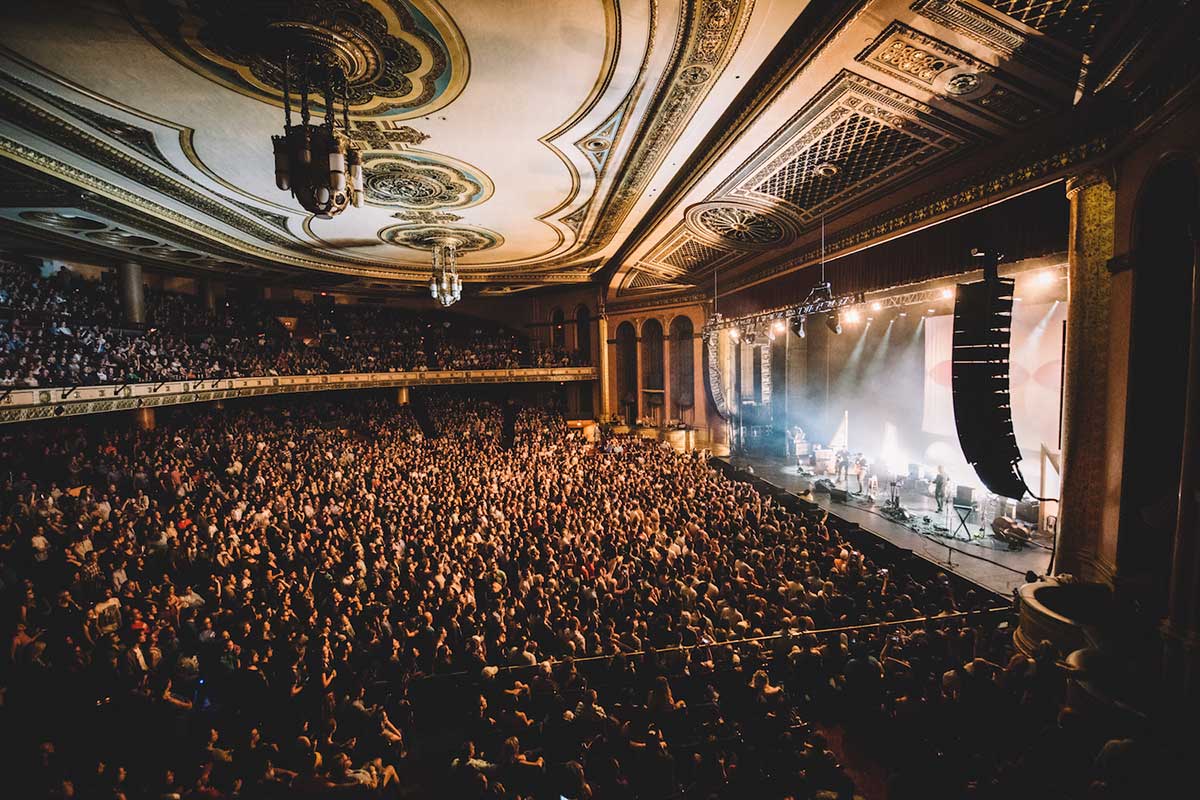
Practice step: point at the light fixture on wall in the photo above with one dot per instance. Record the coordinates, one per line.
(315, 162)
(834, 323)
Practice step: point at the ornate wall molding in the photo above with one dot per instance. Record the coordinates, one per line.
(23, 405)
(937, 203)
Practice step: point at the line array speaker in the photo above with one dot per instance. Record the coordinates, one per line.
(980, 381)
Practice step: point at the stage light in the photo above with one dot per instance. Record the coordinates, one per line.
(834, 323)
(877, 306)
(947, 294)
(798, 326)
(903, 314)
(1016, 299)
(735, 334)
(933, 311)
(749, 336)
(1045, 278)
(852, 316)
(778, 327)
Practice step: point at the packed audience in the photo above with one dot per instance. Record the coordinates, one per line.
(64, 331)
(334, 598)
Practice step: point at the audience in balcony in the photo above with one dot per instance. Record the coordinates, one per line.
(65, 331)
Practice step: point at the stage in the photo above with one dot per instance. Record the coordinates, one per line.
(966, 549)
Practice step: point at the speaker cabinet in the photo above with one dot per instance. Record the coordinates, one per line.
(838, 495)
(979, 378)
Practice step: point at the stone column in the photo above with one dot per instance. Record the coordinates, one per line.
(1085, 548)
(637, 354)
(1181, 630)
(133, 293)
(666, 374)
(701, 413)
(604, 363)
(208, 295)
(144, 418)
(402, 395)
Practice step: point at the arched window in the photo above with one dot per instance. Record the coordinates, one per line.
(583, 334)
(627, 371)
(683, 368)
(558, 329)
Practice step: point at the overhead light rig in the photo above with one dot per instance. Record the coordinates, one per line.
(820, 300)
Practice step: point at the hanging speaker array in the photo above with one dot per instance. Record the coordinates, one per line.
(980, 381)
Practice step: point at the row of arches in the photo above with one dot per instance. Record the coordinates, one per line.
(583, 330)
(660, 399)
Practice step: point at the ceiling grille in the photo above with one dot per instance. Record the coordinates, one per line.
(644, 280)
(858, 147)
(692, 255)
(1074, 22)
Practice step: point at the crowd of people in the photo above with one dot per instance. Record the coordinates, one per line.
(323, 599)
(61, 330)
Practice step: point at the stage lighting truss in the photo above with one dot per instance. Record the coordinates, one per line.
(820, 300)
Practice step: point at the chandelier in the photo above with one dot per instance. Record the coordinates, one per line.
(444, 284)
(316, 162)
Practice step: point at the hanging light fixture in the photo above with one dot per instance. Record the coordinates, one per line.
(315, 162)
(444, 284)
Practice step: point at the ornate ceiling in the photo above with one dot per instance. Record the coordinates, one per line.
(552, 137)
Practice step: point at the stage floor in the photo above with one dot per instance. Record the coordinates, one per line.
(983, 558)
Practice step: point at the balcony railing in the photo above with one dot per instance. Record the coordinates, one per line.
(21, 404)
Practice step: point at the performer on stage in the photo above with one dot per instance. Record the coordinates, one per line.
(843, 466)
(798, 445)
(939, 487)
(860, 470)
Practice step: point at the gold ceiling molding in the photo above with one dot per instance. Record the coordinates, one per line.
(1043, 168)
(855, 137)
(404, 58)
(706, 40)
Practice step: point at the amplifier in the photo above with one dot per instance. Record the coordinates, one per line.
(1027, 511)
(964, 495)
(838, 495)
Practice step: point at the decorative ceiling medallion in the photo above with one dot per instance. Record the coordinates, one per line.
(426, 217)
(962, 83)
(121, 238)
(826, 170)
(422, 181)
(64, 222)
(162, 251)
(427, 237)
(735, 226)
(403, 58)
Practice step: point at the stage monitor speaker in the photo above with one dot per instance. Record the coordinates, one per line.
(1027, 511)
(838, 495)
(964, 495)
(823, 486)
(979, 378)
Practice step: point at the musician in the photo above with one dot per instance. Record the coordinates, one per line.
(843, 466)
(860, 470)
(798, 445)
(939, 487)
